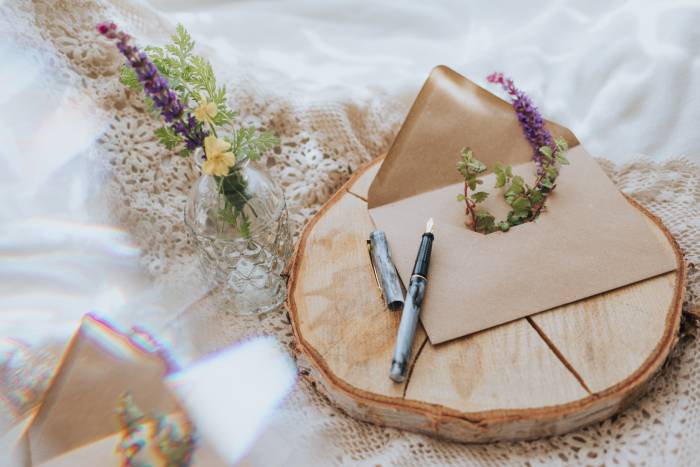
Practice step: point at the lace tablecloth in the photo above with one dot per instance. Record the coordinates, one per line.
(324, 139)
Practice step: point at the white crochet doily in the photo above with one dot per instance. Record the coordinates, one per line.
(324, 139)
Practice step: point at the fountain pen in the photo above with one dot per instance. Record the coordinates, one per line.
(411, 308)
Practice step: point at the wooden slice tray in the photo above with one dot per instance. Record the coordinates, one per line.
(547, 374)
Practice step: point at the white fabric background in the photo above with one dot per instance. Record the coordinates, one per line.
(624, 76)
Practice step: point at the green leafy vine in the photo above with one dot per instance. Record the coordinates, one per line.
(526, 202)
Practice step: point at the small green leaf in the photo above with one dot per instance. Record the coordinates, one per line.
(248, 143)
(168, 137)
(172, 49)
(127, 76)
(561, 158)
(479, 196)
(536, 197)
(546, 151)
(561, 144)
(503, 174)
(476, 166)
(244, 225)
(517, 217)
(460, 197)
(500, 175)
(521, 204)
(500, 179)
(151, 107)
(226, 215)
(485, 222)
(462, 169)
(183, 41)
(547, 183)
(514, 189)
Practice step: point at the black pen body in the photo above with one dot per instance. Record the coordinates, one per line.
(411, 310)
(407, 328)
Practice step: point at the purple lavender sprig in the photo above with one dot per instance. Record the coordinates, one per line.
(526, 201)
(530, 119)
(157, 88)
(194, 109)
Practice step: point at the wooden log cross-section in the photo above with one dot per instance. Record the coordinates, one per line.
(542, 375)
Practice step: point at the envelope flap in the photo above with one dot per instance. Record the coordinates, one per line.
(98, 366)
(450, 112)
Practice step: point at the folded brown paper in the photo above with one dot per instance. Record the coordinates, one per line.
(588, 240)
(229, 395)
(77, 423)
(79, 407)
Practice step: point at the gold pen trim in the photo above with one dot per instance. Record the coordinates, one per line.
(374, 269)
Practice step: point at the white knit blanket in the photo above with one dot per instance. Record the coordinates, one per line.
(334, 81)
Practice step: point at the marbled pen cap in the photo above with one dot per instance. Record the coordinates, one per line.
(384, 271)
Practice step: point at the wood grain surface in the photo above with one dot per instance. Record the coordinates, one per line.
(550, 373)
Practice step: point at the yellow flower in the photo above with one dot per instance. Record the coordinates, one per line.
(206, 111)
(219, 158)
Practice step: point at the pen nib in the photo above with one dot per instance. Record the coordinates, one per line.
(429, 225)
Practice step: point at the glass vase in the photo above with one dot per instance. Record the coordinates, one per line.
(246, 257)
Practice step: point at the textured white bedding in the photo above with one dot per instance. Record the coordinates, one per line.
(624, 76)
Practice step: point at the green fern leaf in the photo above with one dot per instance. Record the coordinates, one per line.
(168, 137)
(127, 76)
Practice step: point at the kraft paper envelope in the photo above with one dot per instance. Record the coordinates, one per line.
(98, 366)
(228, 395)
(77, 423)
(589, 239)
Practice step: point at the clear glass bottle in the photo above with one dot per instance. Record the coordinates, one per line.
(247, 262)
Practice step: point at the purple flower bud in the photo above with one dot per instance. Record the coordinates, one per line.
(529, 117)
(178, 126)
(156, 87)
